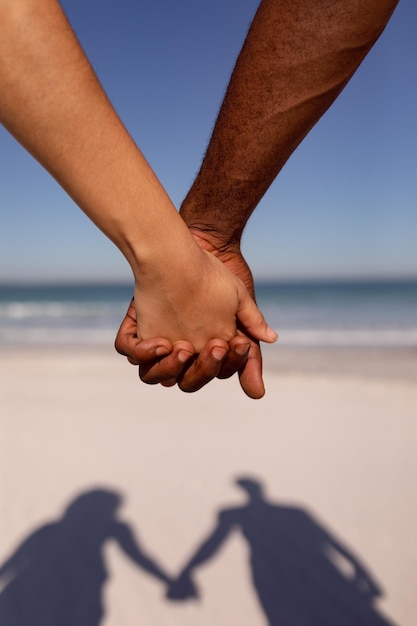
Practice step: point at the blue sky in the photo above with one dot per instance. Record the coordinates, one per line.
(343, 206)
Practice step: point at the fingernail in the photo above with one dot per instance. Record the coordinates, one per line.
(242, 349)
(183, 356)
(161, 351)
(218, 353)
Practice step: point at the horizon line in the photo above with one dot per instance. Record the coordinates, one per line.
(259, 280)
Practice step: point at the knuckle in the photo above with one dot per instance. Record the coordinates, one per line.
(119, 346)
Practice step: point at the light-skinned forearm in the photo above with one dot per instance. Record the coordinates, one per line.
(297, 57)
(52, 102)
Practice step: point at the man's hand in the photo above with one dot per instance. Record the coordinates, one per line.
(250, 371)
(138, 351)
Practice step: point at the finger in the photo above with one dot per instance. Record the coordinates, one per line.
(140, 352)
(168, 368)
(250, 376)
(169, 383)
(237, 356)
(248, 366)
(252, 319)
(206, 367)
(126, 332)
(130, 345)
(147, 352)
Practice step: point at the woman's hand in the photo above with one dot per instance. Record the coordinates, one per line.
(217, 357)
(192, 295)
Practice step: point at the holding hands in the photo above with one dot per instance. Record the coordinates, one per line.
(227, 349)
(183, 294)
(182, 588)
(193, 316)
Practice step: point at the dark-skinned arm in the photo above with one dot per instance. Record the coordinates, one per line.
(297, 58)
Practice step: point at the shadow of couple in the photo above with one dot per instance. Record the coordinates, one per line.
(302, 574)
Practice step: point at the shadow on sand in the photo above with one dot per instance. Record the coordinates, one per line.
(303, 576)
(56, 576)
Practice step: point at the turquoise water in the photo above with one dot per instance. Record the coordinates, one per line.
(362, 314)
(371, 314)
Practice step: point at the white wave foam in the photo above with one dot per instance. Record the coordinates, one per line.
(398, 338)
(355, 338)
(55, 336)
(27, 310)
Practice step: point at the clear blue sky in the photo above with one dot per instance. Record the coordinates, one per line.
(345, 205)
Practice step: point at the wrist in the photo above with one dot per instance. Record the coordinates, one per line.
(213, 241)
(168, 260)
(210, 232)
(151, 234)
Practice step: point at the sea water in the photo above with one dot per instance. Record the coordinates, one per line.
(339, 314)
(355, 314)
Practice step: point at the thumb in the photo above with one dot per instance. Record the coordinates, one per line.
(251, 318)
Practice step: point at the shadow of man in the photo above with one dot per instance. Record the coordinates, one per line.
(299, 570)
(56, 576)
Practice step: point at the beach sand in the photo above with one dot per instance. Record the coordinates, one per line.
(333, 446)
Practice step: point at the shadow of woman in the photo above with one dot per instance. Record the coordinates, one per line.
(302, 574)
(56, 576)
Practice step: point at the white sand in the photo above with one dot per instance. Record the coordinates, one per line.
(335, 453)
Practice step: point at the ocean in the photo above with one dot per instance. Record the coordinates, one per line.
(325, 314)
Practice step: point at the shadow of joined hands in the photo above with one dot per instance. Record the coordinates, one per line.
(301, 573)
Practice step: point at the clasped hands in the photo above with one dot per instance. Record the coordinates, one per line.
(182, 588)
(210, 302)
